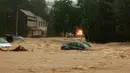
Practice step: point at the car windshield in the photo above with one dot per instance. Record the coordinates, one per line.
(86, 43)
(86, 46)
(3, 41)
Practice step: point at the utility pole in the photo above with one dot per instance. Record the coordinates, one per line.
(17, 9)
(5, 21)
(16, 33)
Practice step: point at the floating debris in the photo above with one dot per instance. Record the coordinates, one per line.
(19, 48)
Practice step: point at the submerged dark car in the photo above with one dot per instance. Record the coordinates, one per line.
(75, 46)
(11, 38)
(18, 38)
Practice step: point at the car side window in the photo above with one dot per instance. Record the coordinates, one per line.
(80, 45)
(77, 44)
(72, 44)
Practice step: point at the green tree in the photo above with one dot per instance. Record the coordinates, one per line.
(63, 16)
(98, 21)
(90, 13)
(123, 16)
(36, 6)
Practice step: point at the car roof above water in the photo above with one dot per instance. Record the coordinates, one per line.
(3, 40)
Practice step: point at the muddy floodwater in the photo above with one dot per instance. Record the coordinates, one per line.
(45, 56)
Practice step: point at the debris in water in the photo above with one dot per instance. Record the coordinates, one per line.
(19, 48)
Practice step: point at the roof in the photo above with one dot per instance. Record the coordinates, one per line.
(28, 13)
(39, 18)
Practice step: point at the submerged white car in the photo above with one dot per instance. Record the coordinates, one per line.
(4, 43)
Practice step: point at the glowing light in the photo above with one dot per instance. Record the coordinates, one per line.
(79, 32)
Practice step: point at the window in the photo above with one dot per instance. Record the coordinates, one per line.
(72, 44)
(39, 24)
(80, 45)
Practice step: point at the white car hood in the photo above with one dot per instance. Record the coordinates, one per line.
(5, 45)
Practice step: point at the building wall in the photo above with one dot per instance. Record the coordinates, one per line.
(43, 26)
(21, 29)
(31, 21)
(37, 33)
(24, 24)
